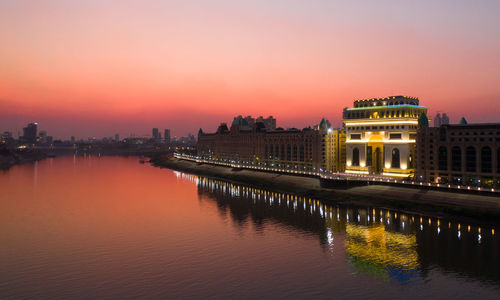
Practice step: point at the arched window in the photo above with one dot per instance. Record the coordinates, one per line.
(442, 158)
(456, 159)
(355, 157)
(486, 164)
(470, 159)
(395, 159)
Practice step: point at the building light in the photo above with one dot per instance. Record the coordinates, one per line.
(356, 172)
(348, 123)
(394, 174)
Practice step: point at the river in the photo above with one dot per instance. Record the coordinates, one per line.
(111, 227)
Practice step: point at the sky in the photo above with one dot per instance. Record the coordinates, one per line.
(100, 67)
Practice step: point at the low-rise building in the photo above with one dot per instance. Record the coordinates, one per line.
(459, 154)
(310, 149)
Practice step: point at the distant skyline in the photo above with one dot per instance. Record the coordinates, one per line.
(96, 68)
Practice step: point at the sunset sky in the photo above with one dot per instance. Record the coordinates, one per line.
(100, 67)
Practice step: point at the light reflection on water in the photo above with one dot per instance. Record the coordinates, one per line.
(381, 242)
(109, 227)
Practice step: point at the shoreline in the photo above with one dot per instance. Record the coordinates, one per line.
(409, 199)
(12, 159)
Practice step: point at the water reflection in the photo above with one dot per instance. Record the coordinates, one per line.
(384, 243)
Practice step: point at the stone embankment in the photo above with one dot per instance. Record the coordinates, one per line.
(405, 198)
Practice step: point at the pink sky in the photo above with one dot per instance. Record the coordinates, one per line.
(96, 68)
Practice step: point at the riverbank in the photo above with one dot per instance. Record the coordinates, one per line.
(9, 158)
(410, 199)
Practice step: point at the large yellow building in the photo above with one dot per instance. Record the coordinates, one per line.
(380, 135)
(335, 155)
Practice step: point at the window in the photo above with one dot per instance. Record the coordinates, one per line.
(355, 136)
(301, 152)
(395, 159)
(456, 159)
(442, 134)
(413, 136)
(288, 152)
(355, 157)
(443, 158)
(282, 152)
(486, 164)
(470, 159)
(295, 152)
(276, 152)
(368, 155)
(395, 136)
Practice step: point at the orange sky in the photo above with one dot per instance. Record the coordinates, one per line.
(95, 68)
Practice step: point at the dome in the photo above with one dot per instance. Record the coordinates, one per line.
(423, 120)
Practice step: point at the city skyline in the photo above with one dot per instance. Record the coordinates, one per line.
(96, 69)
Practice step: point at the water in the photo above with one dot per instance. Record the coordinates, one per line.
(110, 227)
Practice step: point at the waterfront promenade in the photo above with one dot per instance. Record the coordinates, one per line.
(348, 178)
(410, 197)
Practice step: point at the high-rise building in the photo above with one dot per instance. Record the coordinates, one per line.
(166, 136)
(30, 133)
(445, 119)
(441, 120)
(42, 136)
(117, 137)
(155, 133)
(380, 135)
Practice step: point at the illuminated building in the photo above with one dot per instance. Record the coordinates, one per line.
(380, 135)
(459, 154)
(256, 145)
(334, 150)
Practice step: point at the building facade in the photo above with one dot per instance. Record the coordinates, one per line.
(166, 136)
(335, 150)
(441, 120)
(30, 133)
(459, 154)
(381, 135)
(256, 145)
